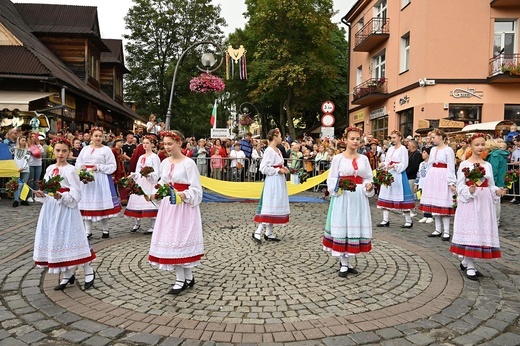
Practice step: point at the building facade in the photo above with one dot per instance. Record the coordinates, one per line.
(412, 61)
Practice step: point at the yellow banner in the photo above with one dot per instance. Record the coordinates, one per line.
(254, 190)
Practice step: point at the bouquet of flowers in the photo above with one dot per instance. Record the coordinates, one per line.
(130, 186)
(86, 176)
(475, 175)
(301, 173)
(51, 185)
(165, 190)
(511, 177)
(382, 177)
(245, 120)
(145, 171)
(11, 187)
(345, 185)
(206, 83)
(455, 201)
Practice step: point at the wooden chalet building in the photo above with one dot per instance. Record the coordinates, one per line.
(54, 61)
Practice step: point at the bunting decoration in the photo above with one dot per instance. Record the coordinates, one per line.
(236, 57)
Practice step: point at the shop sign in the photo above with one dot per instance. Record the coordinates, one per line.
(220, 133)
(459, 93)
(404, 100)
(378, 113)
(451, 124)
(423, 124)
(358, 116)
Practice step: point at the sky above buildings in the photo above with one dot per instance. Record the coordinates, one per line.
(111, 13)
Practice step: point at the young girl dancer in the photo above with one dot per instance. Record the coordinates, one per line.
(273, 206)
(138, 207)
(475, 230)
(439, 185)
(348, 230)
(60, 243)
(99, 198)
(177, 242)
(397, 196)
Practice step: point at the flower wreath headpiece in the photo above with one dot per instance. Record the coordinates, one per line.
(171, 135)
(353, 128)
(60, 140)
(397, 132)
(152, 138)
(475, 136)
(94, 129)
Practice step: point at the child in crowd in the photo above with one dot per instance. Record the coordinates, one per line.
(419, 182)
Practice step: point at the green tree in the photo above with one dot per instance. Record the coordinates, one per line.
(296, 59)
(160, 30)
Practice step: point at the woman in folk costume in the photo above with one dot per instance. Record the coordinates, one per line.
(99, 199)
(348, 230)
(273, 207)
(439, 185)
(120, 172)
(177, 242)
(475, 229)
(397, 196)
(138, 206)
(60, 243)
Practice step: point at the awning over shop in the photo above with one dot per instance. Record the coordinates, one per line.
(490, 126)
(20, 99)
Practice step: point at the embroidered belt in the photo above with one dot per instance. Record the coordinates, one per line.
(355, 179)
(484, 183)
(63, 189)
(181, 187)
(440, 165)
(278, 166)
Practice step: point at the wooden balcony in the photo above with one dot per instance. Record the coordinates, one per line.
(504, 68)
(372, 34)
(504, 3)
(370, 91)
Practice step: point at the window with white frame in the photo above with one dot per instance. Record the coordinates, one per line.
(504, 41)
(360, 24)
(404, 3)
(359, 75)
(405, 52)
(380, 9)
(379, 65)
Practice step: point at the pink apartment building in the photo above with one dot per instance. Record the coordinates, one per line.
(453, 61)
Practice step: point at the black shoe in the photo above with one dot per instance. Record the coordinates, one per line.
(105, 235)
(479, 274)
(352, 271)
(472, 277)
(24, 203)
(256, 239)
(15, 204)
(61, 287)
(178, 290)
(271, 239)
(342, 274)
(383, 224)
(89, 235)
(434, 235)
(446, 237)
(190, 283)
(135, 228)
(90, 284)
(407, 225)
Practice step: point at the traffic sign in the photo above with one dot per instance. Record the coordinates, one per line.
(328, 107)
(328, 120)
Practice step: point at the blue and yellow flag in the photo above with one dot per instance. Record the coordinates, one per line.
(25, 190)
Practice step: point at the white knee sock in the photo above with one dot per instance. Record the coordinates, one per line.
(344, 263)
(137, 222)
(269, 229)
(66, 276)
(88, 270)
(104, 222)
(179, 277)
(438, 224)
(446, 224)
(88, 226)
(152, 224)
(386, 215)
(258, 232)
(471, 266)
(188, 274)
(407, 217)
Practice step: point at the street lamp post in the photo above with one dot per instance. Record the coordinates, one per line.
(207, 60)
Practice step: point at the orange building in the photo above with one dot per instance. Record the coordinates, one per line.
(418, 60)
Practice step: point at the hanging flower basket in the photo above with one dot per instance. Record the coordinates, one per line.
(245, 120)
(207, 83)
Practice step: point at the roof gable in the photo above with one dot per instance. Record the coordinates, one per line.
(7, 38)
(65, 19)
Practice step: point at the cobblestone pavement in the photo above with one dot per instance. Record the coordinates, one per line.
(410, 290)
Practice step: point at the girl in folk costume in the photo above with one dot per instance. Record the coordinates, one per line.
(439, 185)
(120, 172)
(348, 230)
(273, 206)
(138, 206)
(177, 242)
(397, 196)
(99, 199)
(60, 243)
(475, 229)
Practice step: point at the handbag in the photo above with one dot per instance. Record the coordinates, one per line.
(239, 165)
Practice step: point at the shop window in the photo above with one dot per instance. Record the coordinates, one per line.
(380, 128)
(512, 112)
(468, 113)
(406, 122)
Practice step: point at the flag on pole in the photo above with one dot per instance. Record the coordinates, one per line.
(213, 119)
(25, 190)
